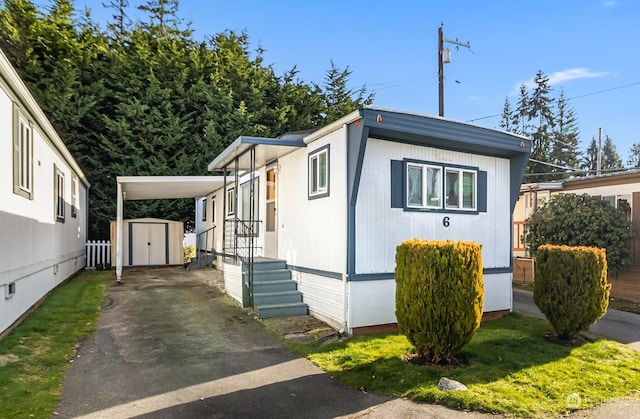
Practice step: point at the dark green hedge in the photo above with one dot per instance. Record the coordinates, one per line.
(439, 295)
(571, 287)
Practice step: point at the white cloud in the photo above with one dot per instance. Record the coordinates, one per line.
(563, 76)
(610, 3)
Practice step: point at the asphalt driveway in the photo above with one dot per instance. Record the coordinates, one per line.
(170, 346)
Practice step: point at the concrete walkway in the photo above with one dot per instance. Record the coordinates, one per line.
(615, 325)
(169, 345)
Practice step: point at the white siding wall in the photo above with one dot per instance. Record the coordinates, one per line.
(364, 312)
(324, 296)
(372, 303)
(312, 233)
(233, 281)
(36, 252)
(381, 228)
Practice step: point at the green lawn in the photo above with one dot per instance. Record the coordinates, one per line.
(513, 370)
(34, 356)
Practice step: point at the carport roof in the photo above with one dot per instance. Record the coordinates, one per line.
(168, 187)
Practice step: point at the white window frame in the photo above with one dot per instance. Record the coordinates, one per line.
(460, 189)
(230, 201)
(440, 201)
(58, 194)
(9, 290)
(74, 195)
(318, 188)
(23, 155)
(424, 187)
(204, 209)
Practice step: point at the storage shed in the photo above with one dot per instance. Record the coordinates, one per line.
(150, 241)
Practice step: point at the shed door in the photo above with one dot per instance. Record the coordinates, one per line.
(148, 244)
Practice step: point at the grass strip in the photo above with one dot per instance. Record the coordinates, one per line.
(513, 370)
(35, 355)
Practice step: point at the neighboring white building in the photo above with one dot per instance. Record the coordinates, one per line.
(333, 204)
(43, 203)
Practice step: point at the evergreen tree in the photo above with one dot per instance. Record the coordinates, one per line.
(610, 158)
(552, 127)
(634, 156)
(590, 158)
(339, 99)
(509, 121)
(564, 151)
(146, 99)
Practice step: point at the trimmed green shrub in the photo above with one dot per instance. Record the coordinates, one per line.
(571, 287)
(439, 296)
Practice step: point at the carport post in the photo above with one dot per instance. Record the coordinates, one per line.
(119, 234)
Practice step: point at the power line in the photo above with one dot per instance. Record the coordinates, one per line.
(571, 98)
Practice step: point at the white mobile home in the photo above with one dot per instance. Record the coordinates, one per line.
(332, 205)
(43, 203)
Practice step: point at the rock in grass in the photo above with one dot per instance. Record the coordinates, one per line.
(447, 384)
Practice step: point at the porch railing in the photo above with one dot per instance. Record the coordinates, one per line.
(240, 237)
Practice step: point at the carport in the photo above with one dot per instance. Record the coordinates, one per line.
(131, 188)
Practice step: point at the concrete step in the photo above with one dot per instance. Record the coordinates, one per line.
(271, 275)
(202, 261)
(274, 286)
(268, 298)
(263, 264)
(281, 310)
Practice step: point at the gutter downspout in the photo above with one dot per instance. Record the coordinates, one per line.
(119, 204)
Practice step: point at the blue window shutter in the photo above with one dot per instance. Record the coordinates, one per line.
(397, 169)
(482, 191)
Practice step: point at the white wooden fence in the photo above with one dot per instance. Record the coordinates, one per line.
(98, 254)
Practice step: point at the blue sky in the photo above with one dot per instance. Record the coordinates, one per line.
(589, 48)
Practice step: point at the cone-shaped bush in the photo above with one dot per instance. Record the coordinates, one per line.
(571, 287)
(439, 295)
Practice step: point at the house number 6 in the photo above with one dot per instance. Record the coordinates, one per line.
(445, 221)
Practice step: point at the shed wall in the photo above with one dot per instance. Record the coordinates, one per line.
(174, 242)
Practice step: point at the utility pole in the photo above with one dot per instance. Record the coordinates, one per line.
(599, 159)
(444, 57)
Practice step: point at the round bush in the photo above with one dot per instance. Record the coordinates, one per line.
(439, 296)
(571, 287)
(581, 220)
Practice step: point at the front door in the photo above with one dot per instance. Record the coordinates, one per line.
(271, 230)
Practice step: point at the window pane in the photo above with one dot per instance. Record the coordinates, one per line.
(271, 184)
(623, 203)
(322, 181)
(468, 190)
(313, 176)
(414, 186)
(452, 188)
(434, 187)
